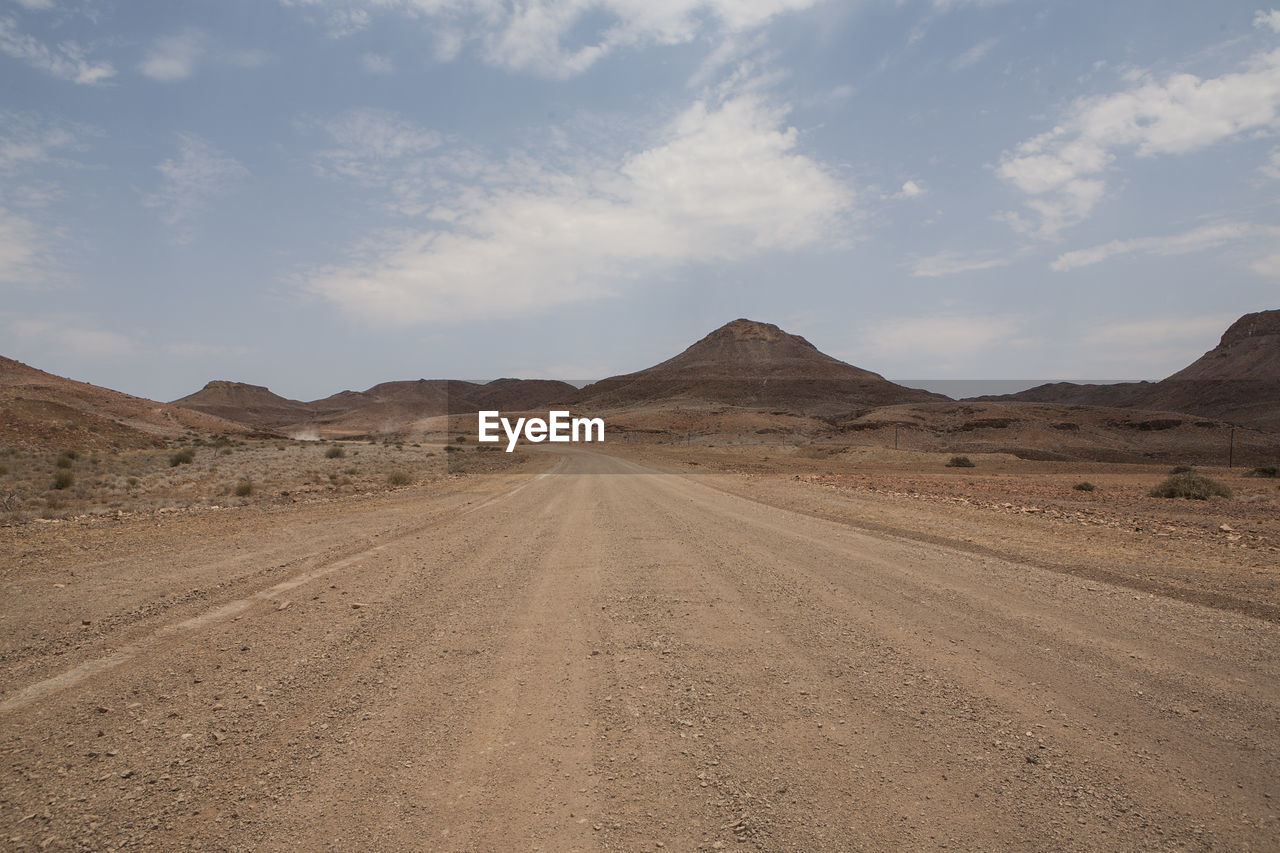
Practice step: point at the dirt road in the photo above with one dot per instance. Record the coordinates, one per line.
(605, 657)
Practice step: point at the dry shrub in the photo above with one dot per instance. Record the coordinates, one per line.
(1190, 485)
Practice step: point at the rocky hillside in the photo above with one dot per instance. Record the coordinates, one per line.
(1236, 381)
(41, 411)
(752, 364)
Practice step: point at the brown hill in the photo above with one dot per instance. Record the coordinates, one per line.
(248, 404)
(757, 365)
(387, 408)
(1249, 350)
(403, 407)
(520, 395)
(1236, 381)
(40, 411)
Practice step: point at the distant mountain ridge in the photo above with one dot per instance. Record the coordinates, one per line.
(755, 367)
(387, 407)
(1237, 381)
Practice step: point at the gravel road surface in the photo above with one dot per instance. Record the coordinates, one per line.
(601, 656)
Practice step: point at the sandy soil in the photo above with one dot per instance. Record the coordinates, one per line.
(222, 473)
(595, 655)
(1224, 553)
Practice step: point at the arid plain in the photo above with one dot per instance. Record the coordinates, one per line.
(730, 626)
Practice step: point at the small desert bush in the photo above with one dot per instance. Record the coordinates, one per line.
(63, 462)
(1260, 471)
(182, 457)
(461, 439)
(4, 469)
(1085, 486)
(1191, 485)
(244, 488)
(70, 454)
(449, 448)
(63, 478)
(335, 453)
(961, 462)
(399, 478)
(132, 481)
(1181, 469)
(349, 471)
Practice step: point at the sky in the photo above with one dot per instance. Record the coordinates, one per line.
(318, 195)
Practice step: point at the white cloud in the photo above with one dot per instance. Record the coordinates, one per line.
(949, 5)
(36, 5)
(26, 141)
(1061, 169)
(910, 189)
(200, 172)
(1272, 167)
(951, 263)
(974, 55)
(724, 184)
(381, 150)
(174, 57)
(23, 250)
(1268, 19)
(556, 38)
(1267, 266)
(27, 144)
(65, 60)
(366, 137)
(376, 63)
(1197, 240)
(344, 22)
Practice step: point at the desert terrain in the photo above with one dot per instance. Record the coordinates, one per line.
(789, 605)
(519, 426)
(579, 650)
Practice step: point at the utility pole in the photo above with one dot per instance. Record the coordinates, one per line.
(1231, 449)
(895, 436)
